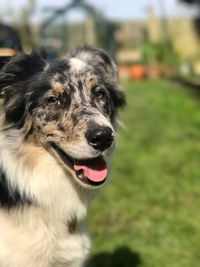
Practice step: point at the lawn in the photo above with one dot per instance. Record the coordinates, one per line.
(148, 214)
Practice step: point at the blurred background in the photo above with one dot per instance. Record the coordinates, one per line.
(148, 213)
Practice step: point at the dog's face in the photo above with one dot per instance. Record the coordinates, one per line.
(68, 106)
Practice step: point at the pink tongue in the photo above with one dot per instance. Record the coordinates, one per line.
(95, 171)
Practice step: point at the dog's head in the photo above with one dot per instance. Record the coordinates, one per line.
(67, 106)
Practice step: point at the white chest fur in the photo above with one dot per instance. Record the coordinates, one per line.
(38, 234)
(31, 237)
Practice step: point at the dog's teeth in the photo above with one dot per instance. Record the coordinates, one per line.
(80, 174)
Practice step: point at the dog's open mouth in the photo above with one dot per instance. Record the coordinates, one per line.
(89, 171)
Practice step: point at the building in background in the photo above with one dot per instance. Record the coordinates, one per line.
(133, 34)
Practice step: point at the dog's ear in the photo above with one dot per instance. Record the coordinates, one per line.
(101, 61)
(18, 70)
(14, 78)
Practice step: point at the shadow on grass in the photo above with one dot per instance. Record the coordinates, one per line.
(121, 257)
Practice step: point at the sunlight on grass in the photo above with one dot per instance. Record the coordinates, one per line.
(148, 212)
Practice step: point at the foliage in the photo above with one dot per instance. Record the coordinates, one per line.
(159, 53)
(148, 213)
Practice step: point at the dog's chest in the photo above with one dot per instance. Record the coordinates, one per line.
(66, 245)
(72, 248)
(43, 244)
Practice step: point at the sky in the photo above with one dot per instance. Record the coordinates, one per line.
(113, 9)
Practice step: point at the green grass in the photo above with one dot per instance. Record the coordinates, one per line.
(148, 214)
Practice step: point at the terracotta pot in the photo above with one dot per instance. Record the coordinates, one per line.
(137, 72)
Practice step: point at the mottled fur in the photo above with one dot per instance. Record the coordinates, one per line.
(50, 105)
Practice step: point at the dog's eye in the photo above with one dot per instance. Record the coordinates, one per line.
(53, 101)
(99, 93)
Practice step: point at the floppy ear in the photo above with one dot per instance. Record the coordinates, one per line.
(14, 77)
(18, 70)
(101, 61)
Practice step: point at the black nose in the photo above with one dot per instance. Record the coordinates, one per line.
(100, 137)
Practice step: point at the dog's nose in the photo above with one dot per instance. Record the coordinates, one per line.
(100, 137)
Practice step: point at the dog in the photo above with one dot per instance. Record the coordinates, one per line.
(58, 129)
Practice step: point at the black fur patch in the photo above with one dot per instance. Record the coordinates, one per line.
(16, 81)
(38, 89)
(10, 197)
(117, 96)
(16, 114)
(59, 67)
